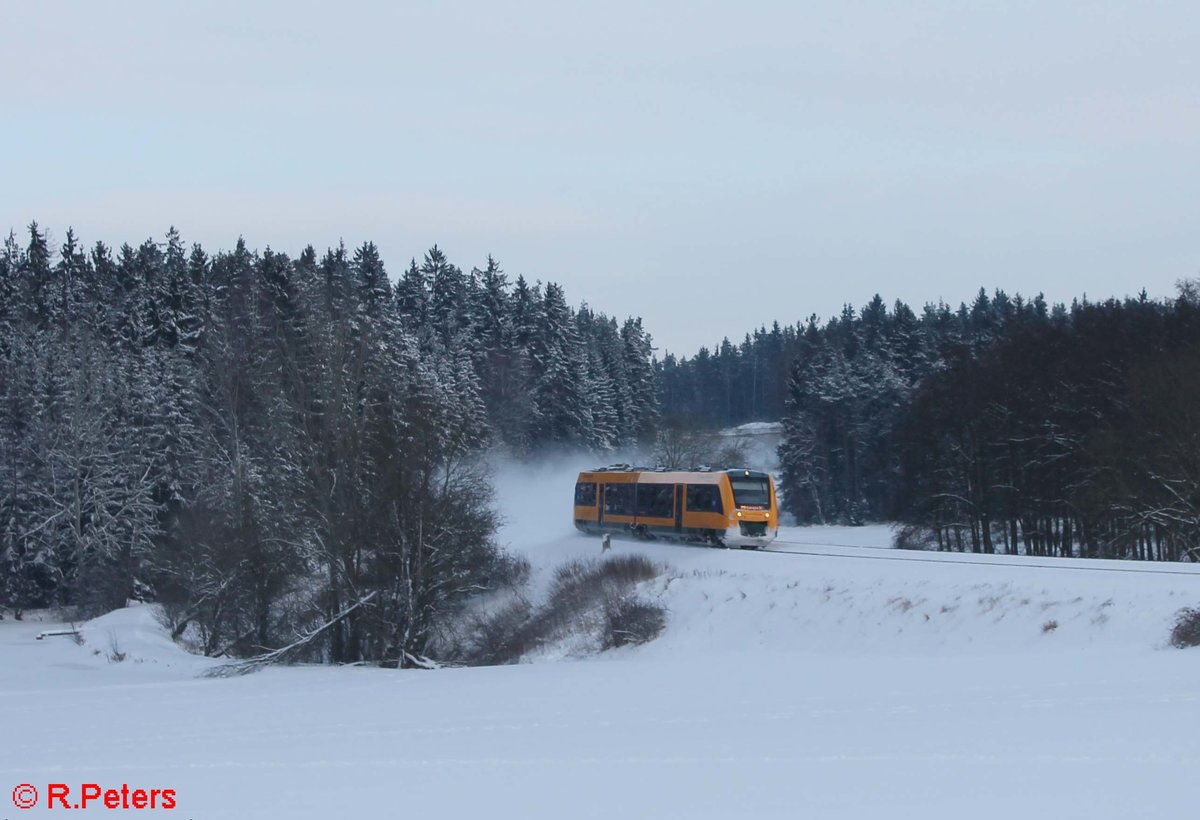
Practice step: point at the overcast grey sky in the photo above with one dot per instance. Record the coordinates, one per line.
(709, 166)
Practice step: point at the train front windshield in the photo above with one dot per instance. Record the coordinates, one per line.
(751, 492)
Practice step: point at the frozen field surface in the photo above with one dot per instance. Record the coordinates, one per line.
(810, 685)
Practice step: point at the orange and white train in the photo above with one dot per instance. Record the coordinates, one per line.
(734, 508)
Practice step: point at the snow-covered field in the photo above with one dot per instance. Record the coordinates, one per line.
(786, 685)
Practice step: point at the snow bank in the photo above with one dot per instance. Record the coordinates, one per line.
(127, 644)
(861, 683)
(137, 632)
(842, 590)
(813, 604)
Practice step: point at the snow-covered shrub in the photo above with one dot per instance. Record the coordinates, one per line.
(1186, 631)
(628, 569)
(629, 621)
(590, 606)
(513, 570)
(910, 537)
(502, 636)
(115, 653)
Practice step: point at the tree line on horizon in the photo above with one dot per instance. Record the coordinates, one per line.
(274, 446)
(268, 445)
(1005, 425)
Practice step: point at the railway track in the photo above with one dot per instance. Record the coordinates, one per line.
(867, 553)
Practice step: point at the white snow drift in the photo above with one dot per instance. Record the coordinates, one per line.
(785, 685)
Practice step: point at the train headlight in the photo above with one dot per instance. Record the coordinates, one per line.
(739, 515)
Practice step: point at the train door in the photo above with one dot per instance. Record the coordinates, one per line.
(602, 491)
(679, 508)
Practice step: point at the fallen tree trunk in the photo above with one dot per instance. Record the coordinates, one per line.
(248, 665)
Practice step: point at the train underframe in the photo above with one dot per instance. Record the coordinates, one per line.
(750, 535)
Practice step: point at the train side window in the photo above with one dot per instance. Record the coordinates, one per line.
(704, 498)
(656, 500)
(585, 494)
(618, 499)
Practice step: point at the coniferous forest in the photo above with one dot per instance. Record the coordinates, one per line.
(271, 446)
(1005, 425)
(275, 446)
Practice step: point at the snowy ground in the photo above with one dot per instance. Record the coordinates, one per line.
(786, 685)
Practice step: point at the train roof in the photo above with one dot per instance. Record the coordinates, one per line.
(654, 475)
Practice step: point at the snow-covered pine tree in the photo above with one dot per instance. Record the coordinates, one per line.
(412, 299)
(502, 366)
(559, 370)
(639, 373)
(598, 386)
(447, 296)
